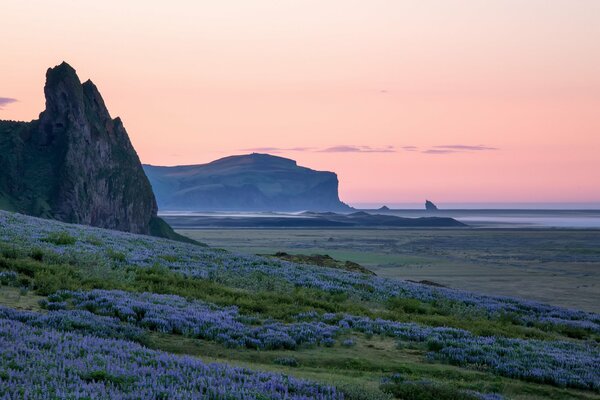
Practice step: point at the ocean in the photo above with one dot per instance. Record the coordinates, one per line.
(511, 218)
(476, 218)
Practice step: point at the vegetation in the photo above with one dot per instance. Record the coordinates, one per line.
(322, 260)
(60, 238)
(423, 390)
(368, 337)
(49, 277)
(506, 262)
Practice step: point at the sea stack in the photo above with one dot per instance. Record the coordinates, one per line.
(76, 163)
(429, 206)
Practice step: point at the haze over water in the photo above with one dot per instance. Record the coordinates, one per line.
(475, 218)
(507, 215)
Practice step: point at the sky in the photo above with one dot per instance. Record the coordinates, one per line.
(450, 100)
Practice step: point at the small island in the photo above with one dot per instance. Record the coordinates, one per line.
(429, 206)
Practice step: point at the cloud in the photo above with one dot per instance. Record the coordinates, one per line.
(457, 148)
(264, 149)
(333, 149)
(301, 148)
(358, 149)
(277, 149)
(465, 147)
(345, 148)
(5, 101)
(436, 151)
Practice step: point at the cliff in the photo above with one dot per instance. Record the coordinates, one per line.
(253, 182)
(76, 163)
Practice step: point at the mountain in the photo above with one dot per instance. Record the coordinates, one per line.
(76, 163)
(252, 182)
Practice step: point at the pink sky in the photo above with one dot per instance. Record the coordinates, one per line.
(197, 80)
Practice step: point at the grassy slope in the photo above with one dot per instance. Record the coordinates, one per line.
(358, 369)
(362, 366)
(159, 228)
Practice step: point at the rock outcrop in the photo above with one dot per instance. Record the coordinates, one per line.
(429, 206)
(76, 163)
(253, 182)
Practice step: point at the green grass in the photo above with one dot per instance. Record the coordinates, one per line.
(47, 277)
(60, 239)
(357, 369)
(425, 390)
(457, 315)
(103, 376)
(45, 274)
(116, 255)
(160, 228)
(19, 299)
(549, 265)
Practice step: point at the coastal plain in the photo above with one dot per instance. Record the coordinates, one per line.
(555, 266)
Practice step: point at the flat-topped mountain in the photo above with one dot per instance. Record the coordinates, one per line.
(253, 182)
(76, 163)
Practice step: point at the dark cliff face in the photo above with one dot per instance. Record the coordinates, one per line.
(253, 182)
(76, 163)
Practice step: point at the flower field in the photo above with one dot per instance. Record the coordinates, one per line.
(106, 297)
(174, 314)
(144, 251)
(46, 364)
(561, 363)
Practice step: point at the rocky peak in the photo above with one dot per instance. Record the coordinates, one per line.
(95, 102)
(63, 91)
(77, 163)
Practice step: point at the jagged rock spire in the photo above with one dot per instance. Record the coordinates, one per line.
(76, 163)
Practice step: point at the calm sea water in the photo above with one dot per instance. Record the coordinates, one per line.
(514, 218)
(563, 206)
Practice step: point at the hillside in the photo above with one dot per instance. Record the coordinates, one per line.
(253, 182)
(76, 163)
(87, 311)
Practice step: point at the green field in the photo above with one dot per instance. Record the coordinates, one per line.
(560, 267)
(46, 265)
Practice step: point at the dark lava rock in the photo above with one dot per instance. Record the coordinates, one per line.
(76, 163)
(429, 206)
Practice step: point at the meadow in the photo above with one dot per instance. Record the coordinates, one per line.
(557, 266)
(92, 313)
